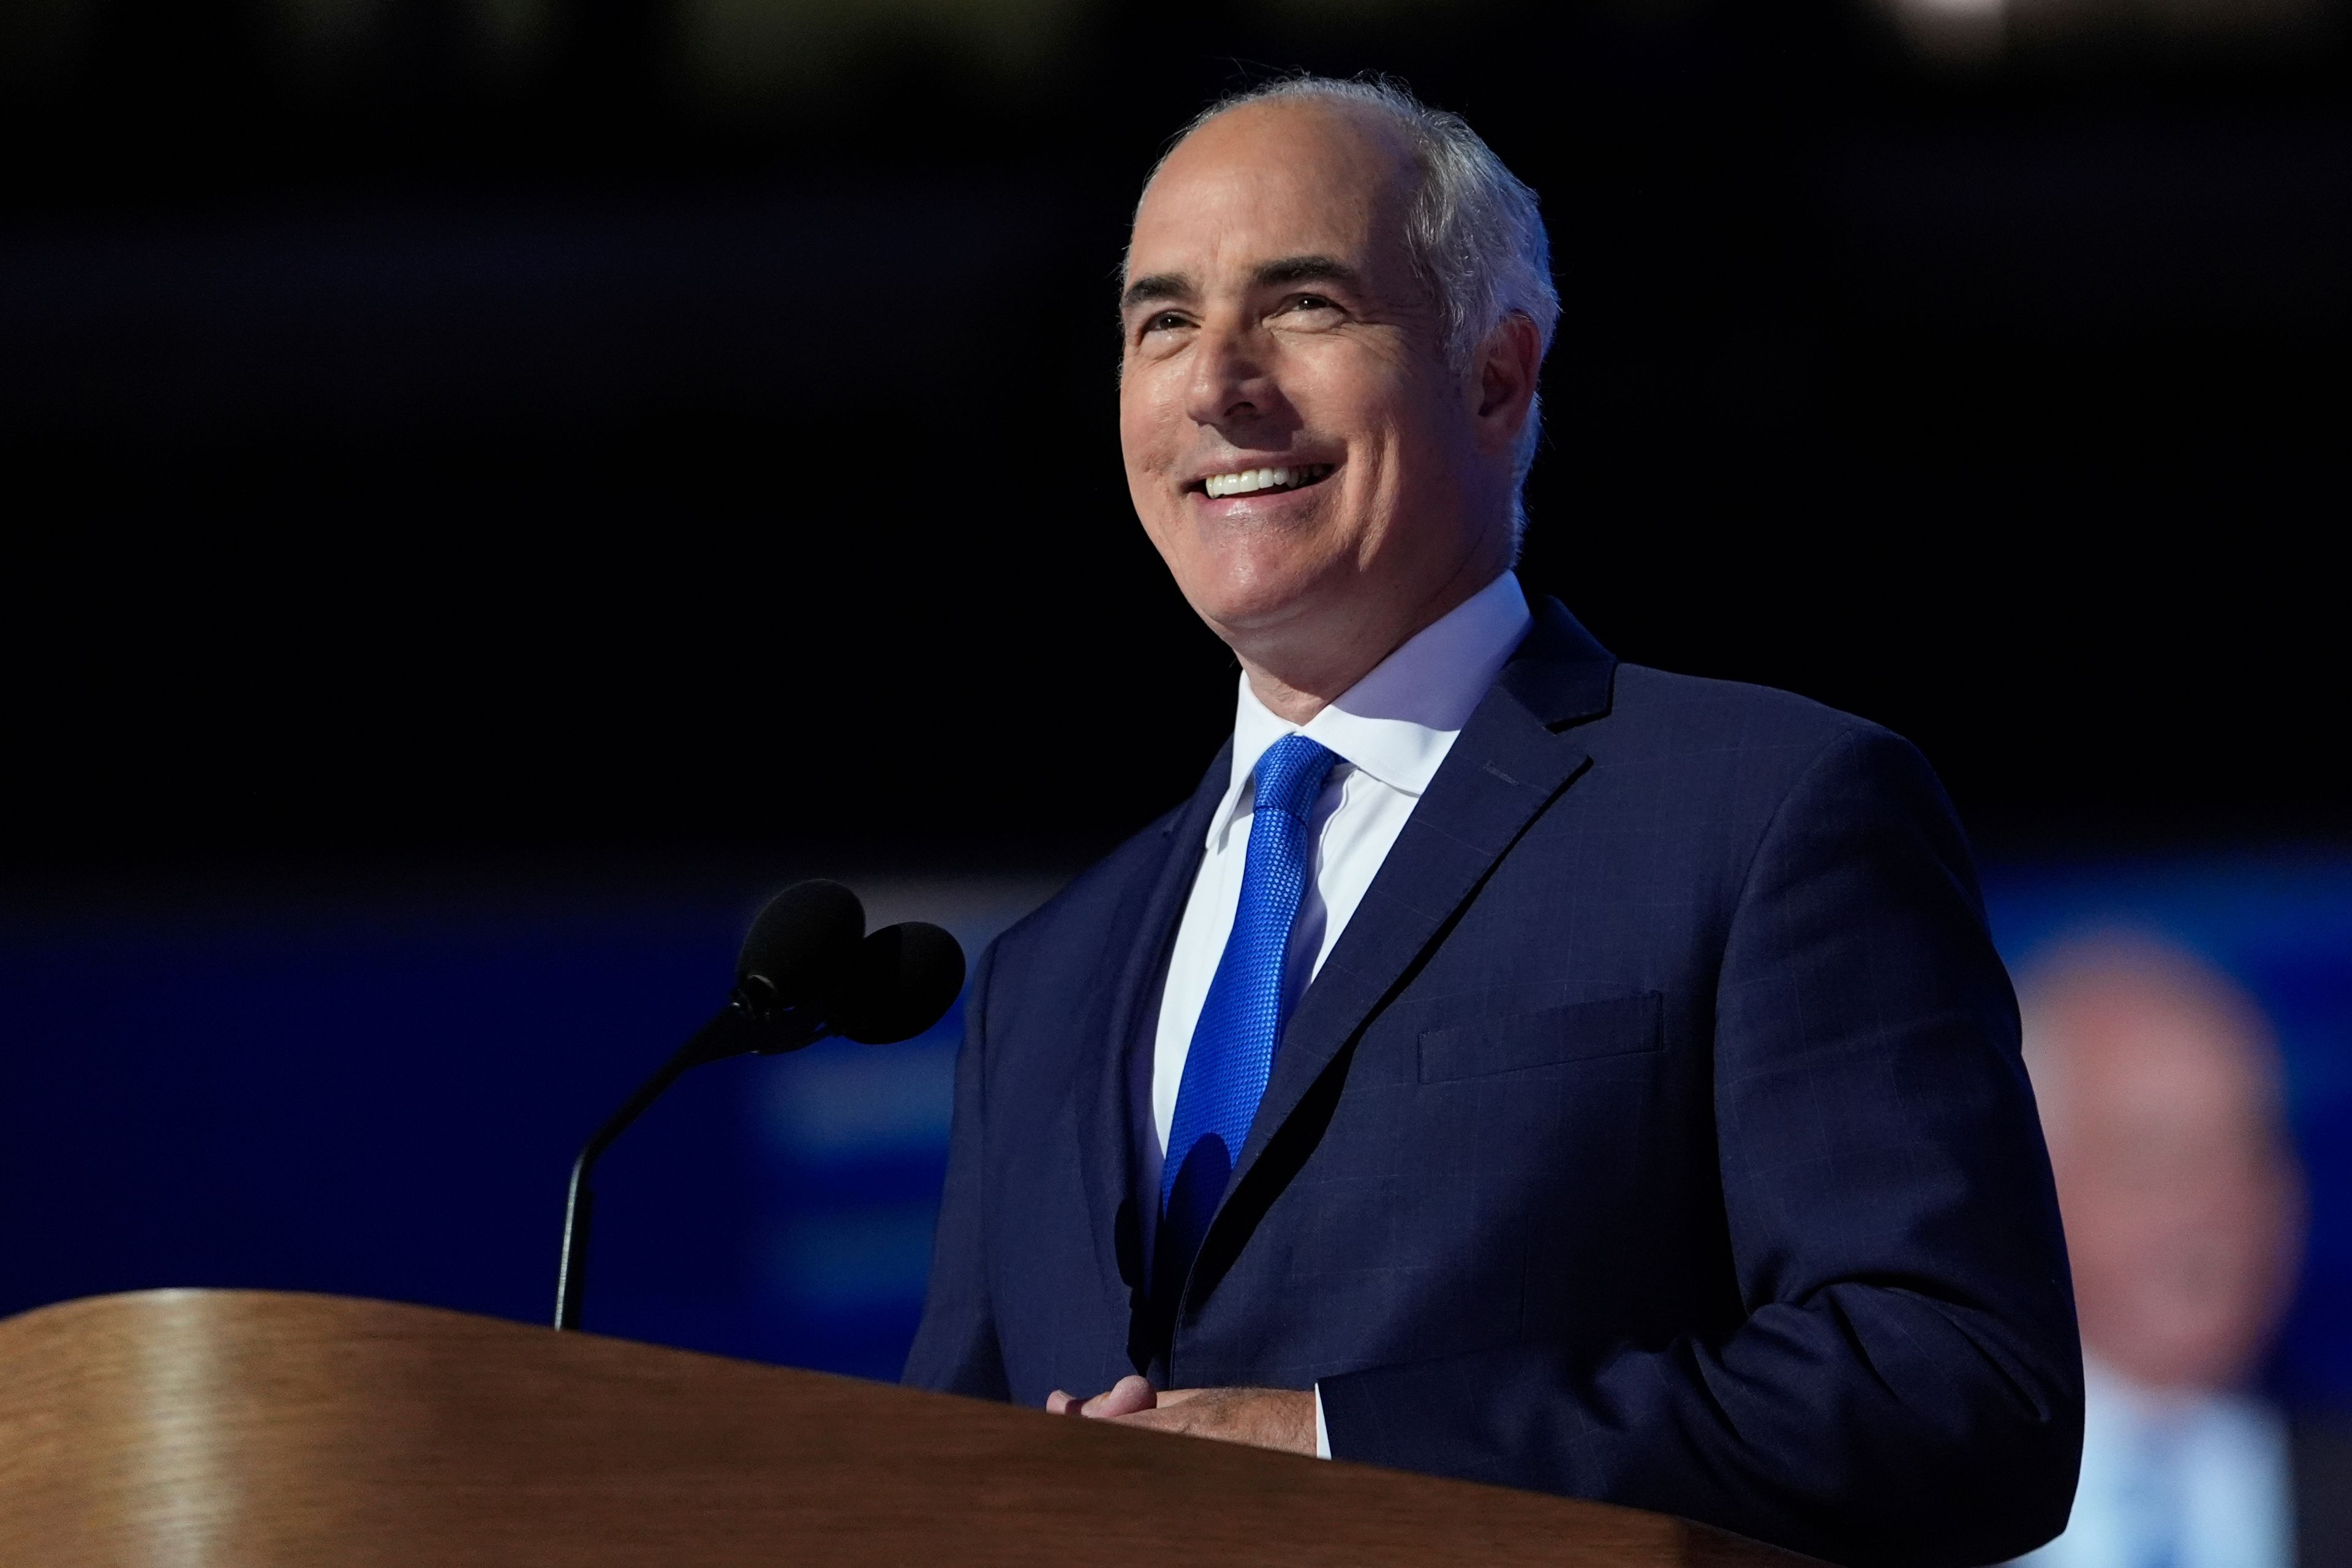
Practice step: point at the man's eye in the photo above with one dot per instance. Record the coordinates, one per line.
(1166, 321)
(1309, 302)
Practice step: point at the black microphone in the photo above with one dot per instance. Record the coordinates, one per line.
(807, 969)
(906, 975)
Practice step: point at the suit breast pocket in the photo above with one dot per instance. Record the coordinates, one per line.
(1623, 1026)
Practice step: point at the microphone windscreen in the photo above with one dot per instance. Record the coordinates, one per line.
(908, 975)
(805, 944)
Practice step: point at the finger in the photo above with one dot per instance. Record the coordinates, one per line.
(1060, 1404)
(1126, 1397)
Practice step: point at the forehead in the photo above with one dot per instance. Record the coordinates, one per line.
(1274, 180)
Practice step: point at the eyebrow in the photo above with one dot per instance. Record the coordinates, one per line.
(1156, 286)
(1307, 270)
(1288, 269)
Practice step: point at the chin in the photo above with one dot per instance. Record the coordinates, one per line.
(1254, 593)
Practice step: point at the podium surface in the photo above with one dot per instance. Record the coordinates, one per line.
(259, 1429)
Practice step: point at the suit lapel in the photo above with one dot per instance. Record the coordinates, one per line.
(1104, 1117)
(1509, 762)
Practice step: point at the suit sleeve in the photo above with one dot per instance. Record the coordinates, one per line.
(1903, 1383)
(956, 1349)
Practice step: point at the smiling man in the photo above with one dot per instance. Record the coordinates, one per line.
(1509, 1063)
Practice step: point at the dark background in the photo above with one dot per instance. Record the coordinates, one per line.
(493, 487)
(591, 444)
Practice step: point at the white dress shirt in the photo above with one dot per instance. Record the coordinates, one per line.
(1390, 730)
(2195, 1481)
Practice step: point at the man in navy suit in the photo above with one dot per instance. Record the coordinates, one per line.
(1511, 1063)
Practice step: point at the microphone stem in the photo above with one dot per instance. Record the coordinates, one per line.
(730, 1033)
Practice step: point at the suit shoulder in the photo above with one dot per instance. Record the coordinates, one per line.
(1763, 713)
(1754, 741)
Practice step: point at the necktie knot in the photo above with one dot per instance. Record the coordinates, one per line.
(1290, 775)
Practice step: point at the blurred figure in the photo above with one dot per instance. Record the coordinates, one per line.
(2161, 1096)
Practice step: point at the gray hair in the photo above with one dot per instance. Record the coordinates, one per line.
(1473, 232)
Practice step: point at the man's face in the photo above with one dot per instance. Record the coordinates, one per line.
(1272, 323)
(2180, 1200)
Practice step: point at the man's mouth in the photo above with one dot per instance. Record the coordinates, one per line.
(1250, 482)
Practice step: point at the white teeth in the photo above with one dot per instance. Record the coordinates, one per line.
(1250, 480)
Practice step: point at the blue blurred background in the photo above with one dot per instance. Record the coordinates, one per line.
(380, 1095)
(2279, 923)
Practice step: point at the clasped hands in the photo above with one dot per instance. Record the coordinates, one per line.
(1263, 1417)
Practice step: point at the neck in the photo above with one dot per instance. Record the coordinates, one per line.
(1297, 683)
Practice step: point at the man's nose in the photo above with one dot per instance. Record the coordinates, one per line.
(1231, 383)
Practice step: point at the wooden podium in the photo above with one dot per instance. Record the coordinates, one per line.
(252, 1429)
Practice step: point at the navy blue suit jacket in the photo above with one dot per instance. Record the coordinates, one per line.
(1655, 1132)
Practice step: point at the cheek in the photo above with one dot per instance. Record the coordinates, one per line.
(1146, 451)
(1374, 373)
(1151, 413)
(1338, 385)
(1134, 428)
(1393, 474)
(1393, 448)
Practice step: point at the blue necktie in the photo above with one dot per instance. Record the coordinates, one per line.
(1240, 1022)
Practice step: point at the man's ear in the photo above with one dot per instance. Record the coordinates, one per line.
(1504, 382)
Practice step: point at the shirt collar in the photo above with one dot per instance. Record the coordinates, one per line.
(1398, 722)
